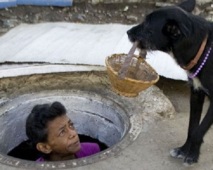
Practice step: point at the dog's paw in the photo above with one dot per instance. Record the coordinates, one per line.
(190, 160)
(177, 153)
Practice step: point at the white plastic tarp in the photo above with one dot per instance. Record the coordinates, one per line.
(77, 44)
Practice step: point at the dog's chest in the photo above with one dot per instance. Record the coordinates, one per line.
(196, 84)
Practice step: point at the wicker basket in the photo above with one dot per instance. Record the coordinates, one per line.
(139, 77)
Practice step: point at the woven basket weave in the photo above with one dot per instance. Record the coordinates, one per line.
(140, 75)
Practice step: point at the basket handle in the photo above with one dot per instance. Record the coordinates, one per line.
(122, 72)
(140, 59)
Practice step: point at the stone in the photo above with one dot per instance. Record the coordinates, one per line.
(156, 103)
(132, 17)
(10, 23)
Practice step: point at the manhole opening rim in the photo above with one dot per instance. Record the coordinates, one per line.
(131, 134)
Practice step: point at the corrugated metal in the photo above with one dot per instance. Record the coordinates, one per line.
(7, 3)
(45, 2)
(12, 3)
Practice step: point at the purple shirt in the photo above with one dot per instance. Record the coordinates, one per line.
(87, 149)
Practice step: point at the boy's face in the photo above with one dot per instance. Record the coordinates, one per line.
(62, 136)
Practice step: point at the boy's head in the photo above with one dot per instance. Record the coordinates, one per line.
(52, 132)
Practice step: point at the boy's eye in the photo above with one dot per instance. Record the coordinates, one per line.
(71, 125)
(62, 132)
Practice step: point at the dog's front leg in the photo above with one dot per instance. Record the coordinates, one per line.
(198, 134)
(196, 105)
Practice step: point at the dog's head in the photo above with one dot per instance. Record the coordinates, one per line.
(163, 27)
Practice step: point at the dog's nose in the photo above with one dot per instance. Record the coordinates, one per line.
(128, 32)
(130, 36)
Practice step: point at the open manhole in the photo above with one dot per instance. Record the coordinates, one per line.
(103, 117)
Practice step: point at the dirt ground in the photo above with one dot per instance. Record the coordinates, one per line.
(78, 13)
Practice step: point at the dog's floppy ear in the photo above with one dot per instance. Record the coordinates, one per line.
(188, 5)
(174, 30)
(171, 29)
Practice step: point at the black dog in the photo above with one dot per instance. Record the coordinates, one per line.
(190, 39)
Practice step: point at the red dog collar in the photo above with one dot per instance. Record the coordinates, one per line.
(197, 57)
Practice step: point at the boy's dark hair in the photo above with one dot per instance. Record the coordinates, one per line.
(36, 123)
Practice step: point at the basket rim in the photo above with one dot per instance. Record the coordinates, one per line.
(130, 79)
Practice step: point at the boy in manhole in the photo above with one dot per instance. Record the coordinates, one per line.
(53, 134)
